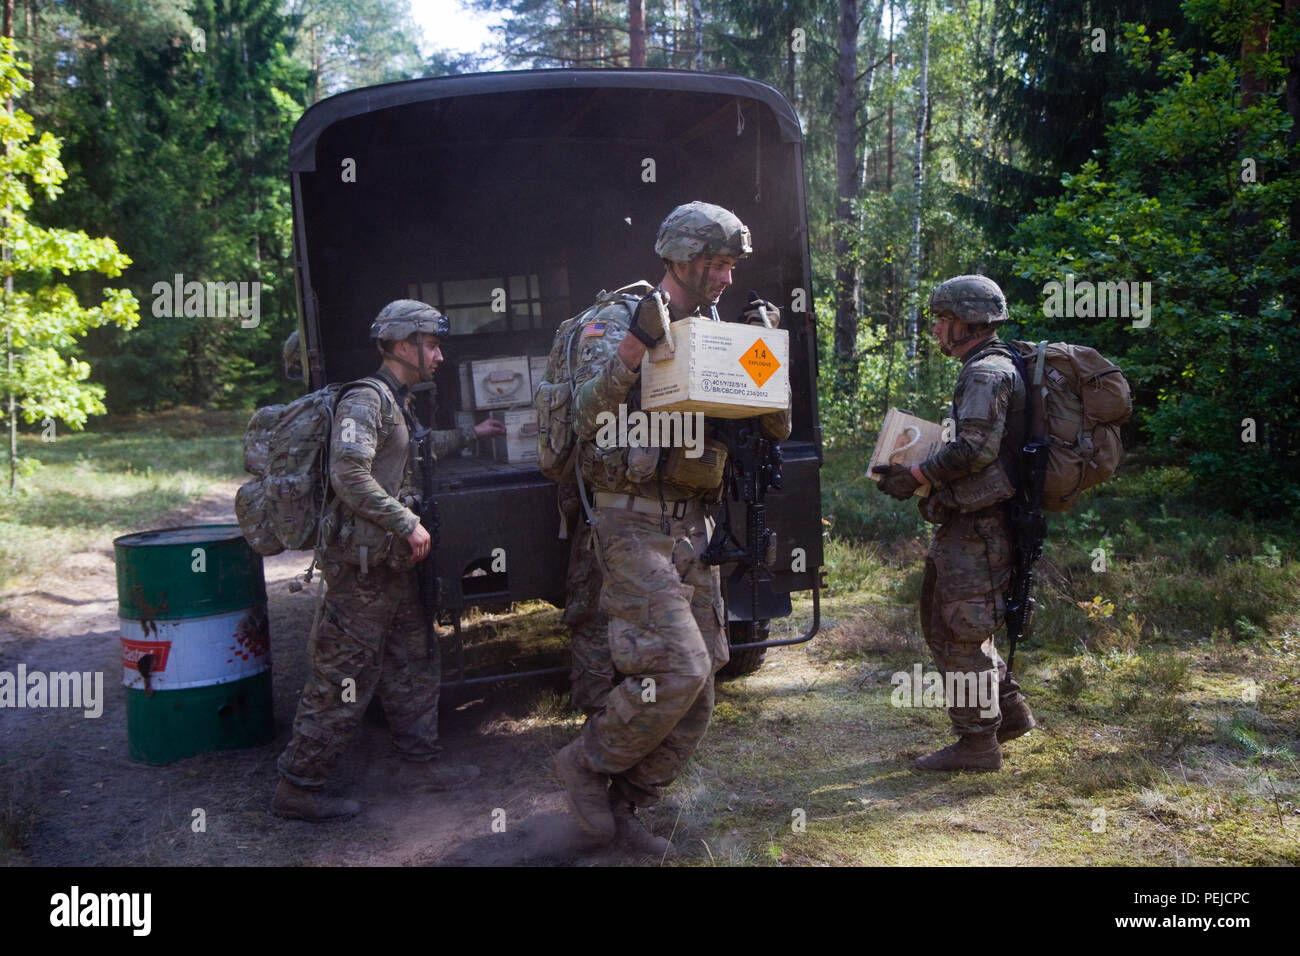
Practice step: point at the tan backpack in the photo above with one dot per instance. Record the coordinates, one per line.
(1077, 401)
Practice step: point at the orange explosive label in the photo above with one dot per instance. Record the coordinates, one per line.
(759, 362)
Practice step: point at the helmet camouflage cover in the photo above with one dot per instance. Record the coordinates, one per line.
(404, 317)
(701, 228)
(976, 300)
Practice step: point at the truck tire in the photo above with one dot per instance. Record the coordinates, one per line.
(746, 661)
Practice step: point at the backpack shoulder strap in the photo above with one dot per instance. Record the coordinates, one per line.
(633, 290)
(371, 382)
(1035, 394)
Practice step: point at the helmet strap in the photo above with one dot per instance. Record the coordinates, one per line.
(390, 354)
(699, 290)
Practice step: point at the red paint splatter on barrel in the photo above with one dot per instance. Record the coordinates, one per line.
(253, 635)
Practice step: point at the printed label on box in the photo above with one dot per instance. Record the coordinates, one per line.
(723, 369)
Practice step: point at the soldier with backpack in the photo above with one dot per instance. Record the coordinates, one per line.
(666, 630)
(972, 478)
(373, 635)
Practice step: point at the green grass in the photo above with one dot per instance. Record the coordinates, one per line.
(1182, 571)
(87, 486)
(1168, 708)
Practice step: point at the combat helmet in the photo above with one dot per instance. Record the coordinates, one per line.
(701, 228)
(976, 300)
(402, 318)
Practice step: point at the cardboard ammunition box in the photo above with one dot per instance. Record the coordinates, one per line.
(494, 383)
(520, 444)
(905, 440)
(723, 369)
(536, 372)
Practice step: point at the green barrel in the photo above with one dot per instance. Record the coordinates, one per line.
(196, 651)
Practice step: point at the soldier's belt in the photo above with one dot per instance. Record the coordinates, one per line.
(646, 506)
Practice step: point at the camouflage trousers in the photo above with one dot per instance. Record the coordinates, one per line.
(592, 675)
(374, 633)
(667, 635)
(963, 604)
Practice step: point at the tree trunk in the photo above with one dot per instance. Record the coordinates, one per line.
(789, 66)
(918, 182)
(672, 55)
(869, 84)
(1293, 136)
(34, 38)
(697, 20)
(868, 87)
(1254, 43)
(8, 31)
(846, 190)
(636, 33)
(891, 270)
(889, 133)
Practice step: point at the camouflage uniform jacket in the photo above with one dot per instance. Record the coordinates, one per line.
(603, 383)
(370, 463)
(978, 468)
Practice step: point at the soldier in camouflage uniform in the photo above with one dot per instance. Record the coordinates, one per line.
(667, 626)
(968, 568)
(373, 631)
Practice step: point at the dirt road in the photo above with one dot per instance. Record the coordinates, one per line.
(72, 796)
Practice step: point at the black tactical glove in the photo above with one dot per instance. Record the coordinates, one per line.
(896, 481)
(650, 323)
(761, 312)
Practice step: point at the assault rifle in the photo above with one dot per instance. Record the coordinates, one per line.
(753, 466)
(1028, 522)
(423, 458)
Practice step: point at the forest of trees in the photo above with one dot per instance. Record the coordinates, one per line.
(1134, 141)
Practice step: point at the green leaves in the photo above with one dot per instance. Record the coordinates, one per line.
(1172, 201)
(43, 318)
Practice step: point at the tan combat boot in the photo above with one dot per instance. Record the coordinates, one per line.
(1016, 722)
(434, 775)
(970, 752)
(587, 794)
(295, 803)
(632, 834)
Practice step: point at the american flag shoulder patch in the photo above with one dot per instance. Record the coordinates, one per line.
(594, 328)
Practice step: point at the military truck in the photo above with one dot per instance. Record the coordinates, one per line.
(508, 201)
